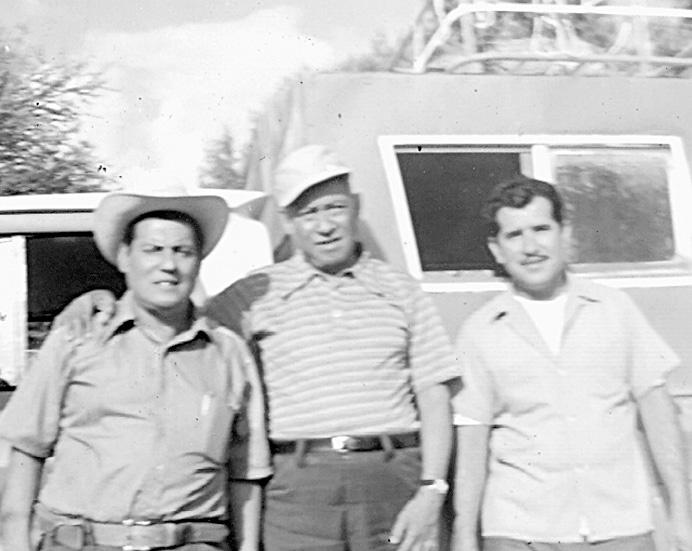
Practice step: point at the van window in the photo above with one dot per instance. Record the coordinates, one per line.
(617, 192)
(61, 267)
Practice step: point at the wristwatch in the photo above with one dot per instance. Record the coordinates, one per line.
(437, 485)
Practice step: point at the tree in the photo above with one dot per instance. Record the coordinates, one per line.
(224, 164)
(42, 103)
(379, 57)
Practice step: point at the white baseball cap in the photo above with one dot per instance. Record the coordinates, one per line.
(304, 168)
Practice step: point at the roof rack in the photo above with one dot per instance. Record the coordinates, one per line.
(455, 40)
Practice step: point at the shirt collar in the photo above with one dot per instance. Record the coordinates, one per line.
(579, 292)
(301, 273)
(125, 319)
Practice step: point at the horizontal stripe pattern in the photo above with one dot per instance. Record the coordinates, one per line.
(340, 354)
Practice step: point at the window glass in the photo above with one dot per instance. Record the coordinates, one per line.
(445, 192)
(617, 196)
(618, 203)
(60, 268)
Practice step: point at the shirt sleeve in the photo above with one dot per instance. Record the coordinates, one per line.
(652, 359)
(31, 419)
(249, 457)
(430, 351)
(229, 308)
(475, 401)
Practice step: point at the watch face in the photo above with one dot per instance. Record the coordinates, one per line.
(436, 485)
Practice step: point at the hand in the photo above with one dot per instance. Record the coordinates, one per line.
(417, 525)
(87, 313)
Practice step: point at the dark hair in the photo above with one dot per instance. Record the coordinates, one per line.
(516, 193)
(175, 215)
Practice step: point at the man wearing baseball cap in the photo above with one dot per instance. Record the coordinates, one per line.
(145, 423)
(356, 366)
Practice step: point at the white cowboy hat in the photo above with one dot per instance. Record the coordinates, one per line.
(302, 169)
(118, 209)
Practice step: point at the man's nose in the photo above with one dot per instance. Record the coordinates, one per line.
(324, 223)
(167, 260)
(529, 242)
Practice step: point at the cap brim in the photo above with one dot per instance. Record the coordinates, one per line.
(288, 196)
(118, 210)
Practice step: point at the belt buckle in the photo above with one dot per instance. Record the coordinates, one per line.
(69, 534)
(340, 443)
(130, 523)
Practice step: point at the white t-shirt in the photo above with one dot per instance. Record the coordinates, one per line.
(549, 318)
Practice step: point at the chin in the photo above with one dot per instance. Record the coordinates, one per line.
(169, 303)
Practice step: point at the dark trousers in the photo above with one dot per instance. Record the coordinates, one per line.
(333, 501)
(644, 542)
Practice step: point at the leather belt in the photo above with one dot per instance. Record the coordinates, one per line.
(130, 535)
(345, 443)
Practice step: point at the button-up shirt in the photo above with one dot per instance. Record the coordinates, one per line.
(141, 429)
(341, 354)
(564, 450)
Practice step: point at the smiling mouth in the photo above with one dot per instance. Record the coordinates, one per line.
(328, 242)
(534, 261)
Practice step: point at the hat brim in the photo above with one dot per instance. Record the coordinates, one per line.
(301, 186)
(116, 211)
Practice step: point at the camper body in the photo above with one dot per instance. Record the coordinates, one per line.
(426, 149)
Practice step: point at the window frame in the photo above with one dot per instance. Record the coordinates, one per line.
(636, 274)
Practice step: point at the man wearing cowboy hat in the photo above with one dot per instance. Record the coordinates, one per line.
(145, 423)
(355, 365)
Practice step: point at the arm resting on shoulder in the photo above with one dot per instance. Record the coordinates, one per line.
(245, 505)
(662, 430)
(21, 489)
(86, 313)
(417, 522)
(471, 475)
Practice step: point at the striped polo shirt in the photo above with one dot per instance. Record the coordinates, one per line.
(340, 354)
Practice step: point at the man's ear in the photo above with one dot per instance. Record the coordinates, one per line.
(567, 243)
(355, 198)
(495, 250)
(287, 221)
(123, 258)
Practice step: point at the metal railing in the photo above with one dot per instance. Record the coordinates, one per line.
(554, 45)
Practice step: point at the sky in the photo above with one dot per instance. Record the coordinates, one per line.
(180, 71)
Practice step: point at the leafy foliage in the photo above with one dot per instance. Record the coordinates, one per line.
(380, 56)
(224, 164)
(42, 102)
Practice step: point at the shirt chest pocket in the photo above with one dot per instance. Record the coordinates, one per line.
(211, 425)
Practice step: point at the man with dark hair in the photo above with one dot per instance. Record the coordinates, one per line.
(557, 370)
(144, 424)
